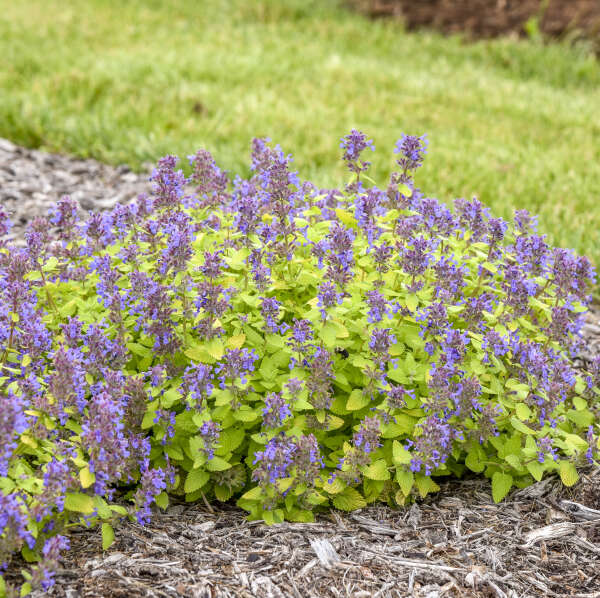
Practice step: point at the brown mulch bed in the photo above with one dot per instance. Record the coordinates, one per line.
(491, 18)
(541, 541)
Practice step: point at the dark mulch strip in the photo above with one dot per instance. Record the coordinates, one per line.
(490, 18)
(540, 541)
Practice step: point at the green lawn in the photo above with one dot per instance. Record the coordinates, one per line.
(514, 123)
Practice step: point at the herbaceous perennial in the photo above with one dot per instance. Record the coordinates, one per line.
(287, 346)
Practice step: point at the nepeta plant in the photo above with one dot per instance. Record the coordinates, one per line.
(286, 346)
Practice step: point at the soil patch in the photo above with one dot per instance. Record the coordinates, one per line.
(492, 18)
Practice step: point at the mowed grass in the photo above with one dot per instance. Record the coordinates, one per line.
(511, 122)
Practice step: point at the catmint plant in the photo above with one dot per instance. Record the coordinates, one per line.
(292, 348)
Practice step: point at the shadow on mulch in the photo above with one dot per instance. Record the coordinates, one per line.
(541, 541)
(493, 18)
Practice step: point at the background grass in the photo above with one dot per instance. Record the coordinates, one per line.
(512, 122)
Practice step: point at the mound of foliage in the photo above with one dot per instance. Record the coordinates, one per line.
(291, 347)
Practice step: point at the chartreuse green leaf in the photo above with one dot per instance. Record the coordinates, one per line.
(223, 493)
(501, 485)
(475, 459)
(195, 480)
(86, 477)
(536, 469)
(162, 500)
(253, 494)
(377, 471)
(300, 515)
(349, 500)
(406, 480)
(334, 487)
(357, 400)
(568, 473)
(425, 485)
(400, 454)
(108, 536)
(79, 503)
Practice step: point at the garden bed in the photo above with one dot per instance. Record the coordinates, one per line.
(543, 540)
(492, 18)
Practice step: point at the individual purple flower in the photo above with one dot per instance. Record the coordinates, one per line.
(433, 444)
(328, 297)
(166, 421)
(54, 546)
(496, 230)
(294, 387)
(236, 363)
(407, 226)
(276, 410)
(214, 264)
(367, 437)
(353, 145)
(381, 341)
(321, 376)
(198, 384)
(5, 223)
(545, 449)
(58, 479)
(365, 440)
(494, 343)
(270, 311)
(13, 526)
(592, 441)
(397, 395)
(275, 461)
(434, 320)
(302, 333)
(474, 308)
(158, 375)
(67, 383)
(167, 184)
(65, 216)
(210, 432)
(412, 150)
(524, 221)
(283, 456)
(532, 253)
(13, 422)
(103, 438)
(415, 261)
(450, 277)
(152, 482)
(436, 217)
(339, 254)
(98, 232)
(377, 306)
(572, 274)
(473, 217)
(179, 232)
(382, 255)
(211, 182)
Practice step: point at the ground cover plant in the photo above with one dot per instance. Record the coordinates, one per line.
(513, 121)
(290, 347)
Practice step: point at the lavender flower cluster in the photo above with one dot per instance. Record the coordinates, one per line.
(293, 346)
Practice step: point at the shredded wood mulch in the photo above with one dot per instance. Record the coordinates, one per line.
(541, 541)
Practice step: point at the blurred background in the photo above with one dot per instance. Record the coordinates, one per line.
(513, 120)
